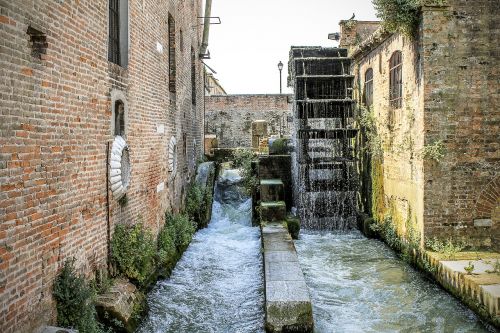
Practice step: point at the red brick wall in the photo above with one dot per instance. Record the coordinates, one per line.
(460, 61)
(55, 123)
(231, 117)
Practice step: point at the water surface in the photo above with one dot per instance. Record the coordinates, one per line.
(359, 285)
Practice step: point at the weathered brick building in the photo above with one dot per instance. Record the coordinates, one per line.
(435, 104)
(73, 75)
(230, 117)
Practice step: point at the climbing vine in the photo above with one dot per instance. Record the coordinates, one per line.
(399, 15)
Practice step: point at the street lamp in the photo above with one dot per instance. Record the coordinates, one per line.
(280, 67)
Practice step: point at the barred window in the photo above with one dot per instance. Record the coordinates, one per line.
(171, 55)
(193, 76)
(369, 87)
(118, 32)
(396, 79)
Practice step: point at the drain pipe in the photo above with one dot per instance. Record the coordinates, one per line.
(206, 28)
(108, 213)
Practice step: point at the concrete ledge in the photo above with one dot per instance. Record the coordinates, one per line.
(288, 304)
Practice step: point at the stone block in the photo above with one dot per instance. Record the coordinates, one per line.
(272, 211)
(271, 190)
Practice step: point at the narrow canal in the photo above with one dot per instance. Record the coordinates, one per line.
(217, 286)
(360, 285)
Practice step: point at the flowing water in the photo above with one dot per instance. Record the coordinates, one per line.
(360, 285)
(217, 286)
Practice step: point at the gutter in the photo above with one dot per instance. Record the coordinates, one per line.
(206, 28)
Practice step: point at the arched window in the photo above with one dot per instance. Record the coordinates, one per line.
(396, 79)
(119, 118)
(369, 87)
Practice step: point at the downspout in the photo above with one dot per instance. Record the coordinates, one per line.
(108, 213)
(206, 27)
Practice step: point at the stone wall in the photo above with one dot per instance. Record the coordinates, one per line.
(55, 125)
(450, 102)
(397, 175)
(460, 54)
(230, 117)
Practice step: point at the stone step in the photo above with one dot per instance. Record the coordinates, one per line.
(272, 211)
(288, 304)
(272, 190)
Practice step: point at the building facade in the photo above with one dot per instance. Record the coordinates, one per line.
(230, 117)
(434, 102)
(75, 75)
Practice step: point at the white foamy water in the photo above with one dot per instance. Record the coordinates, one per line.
(217, 286)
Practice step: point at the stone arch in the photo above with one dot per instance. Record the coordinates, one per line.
(118, 100)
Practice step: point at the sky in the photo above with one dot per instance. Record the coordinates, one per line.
(256, 34)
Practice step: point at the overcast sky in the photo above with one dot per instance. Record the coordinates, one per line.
(256, 34)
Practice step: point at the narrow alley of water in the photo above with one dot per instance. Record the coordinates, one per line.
(359, 285)
(217, 286)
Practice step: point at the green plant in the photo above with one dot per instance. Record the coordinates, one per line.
(198, 202)
(183, 229)
(133, 252)
(399, 15)
(469, 268)
(448, 248)
(435, 151)
(167, 251)
(74, 301)
(496, 267)
(279, 147)
(373, 145)
(242, 159)
(293, 226)
(123, 200)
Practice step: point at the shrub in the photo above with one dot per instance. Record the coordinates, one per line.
(182, 230)
(399, 15)
(133, 252)
(198, 201)
(167, 251)
(293, 226)
(74, 301)
(279, 147)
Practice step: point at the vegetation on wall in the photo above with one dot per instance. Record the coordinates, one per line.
(293, 226)
(434, 151)
(242, 159)
(133, 252)
(373, 145)
(75, 301)
(399, 15)
(446, 247)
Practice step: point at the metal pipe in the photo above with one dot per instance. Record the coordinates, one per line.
(206, 27)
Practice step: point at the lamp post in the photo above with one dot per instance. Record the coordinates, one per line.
(280, 67)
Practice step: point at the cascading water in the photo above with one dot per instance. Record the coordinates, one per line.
(360, 285)
(217, 286)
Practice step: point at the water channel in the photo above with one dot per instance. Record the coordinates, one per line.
(356, 284)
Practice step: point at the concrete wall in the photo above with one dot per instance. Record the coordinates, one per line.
(231, 117)
(460, 53)
(55, 124)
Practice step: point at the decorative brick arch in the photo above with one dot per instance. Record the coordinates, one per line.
(488, 200)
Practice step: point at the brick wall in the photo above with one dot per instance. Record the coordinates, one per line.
(230, 117)
(55, 124)
(461, 61)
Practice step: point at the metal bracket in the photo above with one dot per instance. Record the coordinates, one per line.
(211, 17)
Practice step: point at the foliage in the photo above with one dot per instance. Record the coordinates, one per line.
(133, 252)
(293, 226)
(374, 143)
(181, 229)
(496, 267)
(74, 301)
(399, 15)
(198, 201)
(469, 268)
(167, 251)
(242, 159)
(447, 247)
(279, 147)
(435, 151)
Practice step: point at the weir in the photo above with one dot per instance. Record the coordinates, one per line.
(324, 172)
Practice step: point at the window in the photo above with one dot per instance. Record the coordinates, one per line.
(396, 79)
(119, 118)
(193, 76)
(38, 41)
(118, 32)
(369, 87)
(171, 54)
